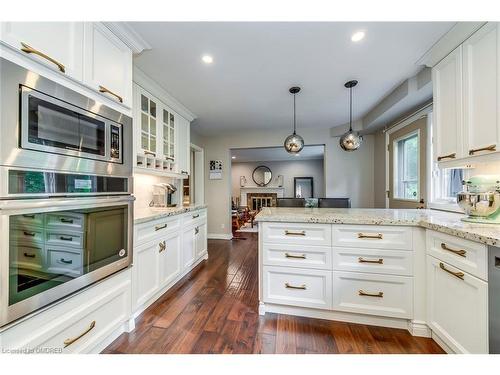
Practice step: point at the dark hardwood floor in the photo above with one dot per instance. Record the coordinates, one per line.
(214, 310)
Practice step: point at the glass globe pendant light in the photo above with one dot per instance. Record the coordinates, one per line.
(294, 143)
(351, 140)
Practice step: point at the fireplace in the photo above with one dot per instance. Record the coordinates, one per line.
(255, 201)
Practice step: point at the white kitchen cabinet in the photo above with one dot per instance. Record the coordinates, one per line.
(146, 121)
(170, 258)
(481, 84)
(457, 307)
(188, 247)
(183, 146)
(200, 241)
(447, 91)
(107, 63)
(56, 43)
(146, 271)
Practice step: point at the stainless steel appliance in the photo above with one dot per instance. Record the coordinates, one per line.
(494, 299)
(44, 125)
(162, 195)
(480, 199)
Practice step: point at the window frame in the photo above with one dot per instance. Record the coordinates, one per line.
(399, 169)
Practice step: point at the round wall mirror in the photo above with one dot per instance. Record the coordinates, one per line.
(262, 175)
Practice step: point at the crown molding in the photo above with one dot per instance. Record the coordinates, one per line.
(128, 36)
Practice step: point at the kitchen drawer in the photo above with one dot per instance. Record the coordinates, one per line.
(391, 262)
(318, 257)
(29, 256)
(65, 221)
(372, 236)
(27, 234)
(194, 217)
(27, 219)
(64, 262)
(155, 228)
(297, 287)
(373, 294)
(64, 238)
(297, 233)
(469, 256)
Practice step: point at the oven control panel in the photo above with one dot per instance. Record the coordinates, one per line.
(115, 142)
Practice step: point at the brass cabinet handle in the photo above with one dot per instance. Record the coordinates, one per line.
(487, 148)
(458, 252)
(29, 216)
(196, 230)
(68, 342)
(302, 287)
(460, 275)
(31, 234)
(378, 295)
(377, 236)
(28, 49)
(163, 246)
(62, 260)
(160, 227)
(196, 216)
(378, 261)
(105, 90)
(66, 221)
(184, 172)
(169, 158)
(28, 255)
(290, 233)
(149, 153)
(64, 238)
(302, 256)
(449, 156)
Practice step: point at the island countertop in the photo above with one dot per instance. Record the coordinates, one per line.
(446, 222)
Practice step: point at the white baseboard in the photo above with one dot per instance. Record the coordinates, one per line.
(419, 328)
(219, 236)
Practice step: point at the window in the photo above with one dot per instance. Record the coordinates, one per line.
(406, 167)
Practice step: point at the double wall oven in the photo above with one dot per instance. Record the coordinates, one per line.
(66, 204)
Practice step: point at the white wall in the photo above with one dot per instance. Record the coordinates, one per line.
(288, 169)
(347, 174)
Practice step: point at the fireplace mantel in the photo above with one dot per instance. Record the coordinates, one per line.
(279, 191)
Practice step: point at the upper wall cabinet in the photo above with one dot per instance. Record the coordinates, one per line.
(59, 45)
(467, 99)
(108, 63)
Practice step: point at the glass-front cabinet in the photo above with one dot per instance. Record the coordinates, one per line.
(168, 135)
(148, 125)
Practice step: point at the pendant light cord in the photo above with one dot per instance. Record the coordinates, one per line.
(350, 109)
(294, 121)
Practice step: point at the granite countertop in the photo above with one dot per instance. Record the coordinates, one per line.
(143, 215)
(446, 222)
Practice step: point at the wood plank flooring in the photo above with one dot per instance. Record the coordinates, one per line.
(214, 310)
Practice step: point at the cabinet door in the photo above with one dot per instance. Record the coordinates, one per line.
(169, 120)
(170, 259)
(146, 273)
(108, 63)
(201, 239)
(183, 145)
(188, 247)
(60, 41)
(146, 121)
(457, 307)
(447, 91)
(481, 74)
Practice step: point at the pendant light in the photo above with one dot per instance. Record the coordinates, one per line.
(350, 141)
(294, 143)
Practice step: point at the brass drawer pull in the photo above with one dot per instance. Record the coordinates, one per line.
(378, 295)
(163, 246)
(29, 216)
(31, 234)
(196, 216)
(28, 49)
(290, 233)
(68, 342)
(169, 158)
(66, 221)
(302, 256)
(449, 156)
(487, 148)
(458, 252)
(377, 236)
(64, 238)
(105, 90)
(28, 255)
(62, 260)
(149, 153)
(301, 287)
(160, 227)
(460, 275)
(378, 261)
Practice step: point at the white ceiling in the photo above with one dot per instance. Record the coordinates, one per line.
(255, 63)
(276, 154)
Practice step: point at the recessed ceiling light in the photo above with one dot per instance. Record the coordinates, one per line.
(207, 59)
(233, 157)
(357, 36)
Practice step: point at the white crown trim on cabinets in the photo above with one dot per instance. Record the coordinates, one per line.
(128, 36)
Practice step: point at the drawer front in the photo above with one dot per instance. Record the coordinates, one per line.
(469, 256)
(69, 221)
(297, 287)
(316, 257)
(372, 236)
(156, 228)
(64, 262)
(30, 257)
(194, 217)
(298, 233)
(27, 234)
(390, 262)
(27, 219)
(373, 294)
(65, 238)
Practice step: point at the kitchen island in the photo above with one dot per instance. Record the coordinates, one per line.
(422, 270)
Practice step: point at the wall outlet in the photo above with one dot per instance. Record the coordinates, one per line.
(222, 226)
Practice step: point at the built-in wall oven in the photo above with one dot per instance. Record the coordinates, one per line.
(66, 203)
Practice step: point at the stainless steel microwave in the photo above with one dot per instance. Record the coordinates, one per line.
(45, 125)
